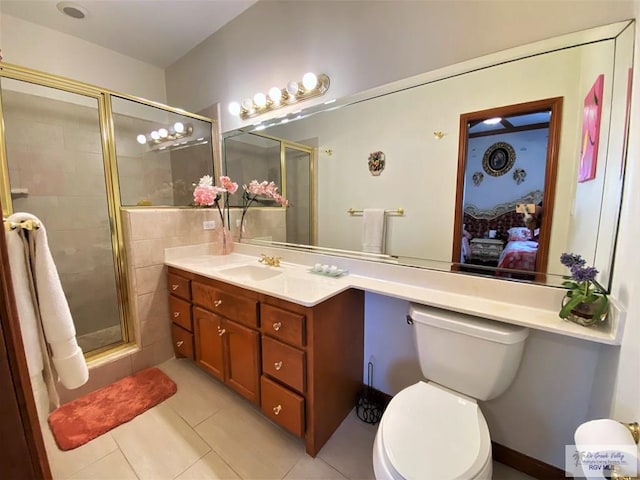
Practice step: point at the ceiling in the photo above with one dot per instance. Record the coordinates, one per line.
(158, 32)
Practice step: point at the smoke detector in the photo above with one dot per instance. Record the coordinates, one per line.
(72, 10)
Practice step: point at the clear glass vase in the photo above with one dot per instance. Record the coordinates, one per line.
(225, 241)
(584, 313)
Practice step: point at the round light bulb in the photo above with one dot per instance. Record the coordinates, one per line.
(234, 108)
(292, 87)
(141, 139)
(178, 127)
(309, 81)
(163, 133)
(260, 99)
(275, 94)
(155, 135)
(247, 104)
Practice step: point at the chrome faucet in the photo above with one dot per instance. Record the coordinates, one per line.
(271, 261)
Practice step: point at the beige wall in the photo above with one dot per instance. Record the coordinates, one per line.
(30, 45)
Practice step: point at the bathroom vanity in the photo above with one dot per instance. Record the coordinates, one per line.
(301, 364)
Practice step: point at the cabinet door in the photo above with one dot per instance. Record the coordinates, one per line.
(209, 335)
(243, 360)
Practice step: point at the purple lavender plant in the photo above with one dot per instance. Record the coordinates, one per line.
(584, 292)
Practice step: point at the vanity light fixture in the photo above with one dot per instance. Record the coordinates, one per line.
(492, 121)
(312, 85)
(170, 134)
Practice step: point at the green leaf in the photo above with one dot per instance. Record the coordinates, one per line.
(604, 304)
(570, 305)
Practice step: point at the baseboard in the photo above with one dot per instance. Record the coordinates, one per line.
(516, 460)
(526, 464)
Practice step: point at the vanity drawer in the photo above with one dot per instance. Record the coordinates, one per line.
(283, 406)
(180, 312)
(179, 286)
(182, 342)
(284, 363)
(283, 325)
(241, 310)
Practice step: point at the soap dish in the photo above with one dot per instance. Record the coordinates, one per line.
(335, 273)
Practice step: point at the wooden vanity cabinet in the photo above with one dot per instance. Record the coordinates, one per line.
(302, 365)
(229, 351)
(179, 287)
(227, 339)
(312, 363)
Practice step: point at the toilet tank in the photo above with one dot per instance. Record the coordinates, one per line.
(471, 355)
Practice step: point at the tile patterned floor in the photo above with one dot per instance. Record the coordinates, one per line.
(206, 431)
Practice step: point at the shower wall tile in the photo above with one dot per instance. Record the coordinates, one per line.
(150, 278)
(87, 163)
(83, 140)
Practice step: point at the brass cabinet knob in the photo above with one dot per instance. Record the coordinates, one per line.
(278, 365)
(217, 303)
(176, 314)
(174, 287)
(179, 344)
(277, 409)
(277, 326)
(221, 331)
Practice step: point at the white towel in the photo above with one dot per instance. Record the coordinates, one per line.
(55, 316)
(373, 230)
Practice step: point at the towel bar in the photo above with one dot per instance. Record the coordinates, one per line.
(397, 211)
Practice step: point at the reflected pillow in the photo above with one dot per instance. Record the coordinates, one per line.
(519, 234)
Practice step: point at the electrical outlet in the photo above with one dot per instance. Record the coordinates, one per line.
(208, 224)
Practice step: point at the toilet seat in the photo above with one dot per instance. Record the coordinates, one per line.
(429, 432)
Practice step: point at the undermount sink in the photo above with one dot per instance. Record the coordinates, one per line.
(250, 272)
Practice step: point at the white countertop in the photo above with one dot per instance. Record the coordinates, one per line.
(533, 306)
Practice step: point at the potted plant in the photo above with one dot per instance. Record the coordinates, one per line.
(585, 302)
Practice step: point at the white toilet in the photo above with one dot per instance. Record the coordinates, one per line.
(435, 430)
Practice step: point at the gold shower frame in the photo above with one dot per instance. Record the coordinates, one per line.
(107, 134)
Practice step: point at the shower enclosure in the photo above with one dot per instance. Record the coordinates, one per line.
(73, 155)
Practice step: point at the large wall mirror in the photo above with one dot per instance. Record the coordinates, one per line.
(416, 125)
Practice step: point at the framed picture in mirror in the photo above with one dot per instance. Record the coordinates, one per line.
(498, 159)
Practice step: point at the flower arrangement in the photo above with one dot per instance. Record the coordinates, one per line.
(206, 194)
(253, 191)
(585, 302)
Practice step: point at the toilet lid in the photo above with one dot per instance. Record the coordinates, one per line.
(428, 432)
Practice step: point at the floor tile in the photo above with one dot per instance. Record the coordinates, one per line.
(209, 467)
(199, 395)
(64, 464)
(350, 448)
(309, 468)
(113, 466)
(159, 443)
(504, 472)
(252, 445)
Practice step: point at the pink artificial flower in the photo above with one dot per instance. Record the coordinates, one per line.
(205, 195)
(228, 185)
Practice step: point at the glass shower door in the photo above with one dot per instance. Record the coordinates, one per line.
(57, 172)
